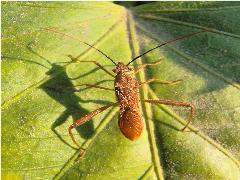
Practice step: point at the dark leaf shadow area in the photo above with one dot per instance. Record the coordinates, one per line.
(61, 89)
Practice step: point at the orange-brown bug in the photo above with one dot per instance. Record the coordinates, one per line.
(127, 93)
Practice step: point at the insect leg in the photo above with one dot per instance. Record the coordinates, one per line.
(174, 103)
(161, 81)
(84, 119)
(95, 62)
(145, 65)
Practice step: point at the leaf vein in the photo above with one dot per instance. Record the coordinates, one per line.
(195, 130)
(194, 61)
(86, 143)
(187, 9)
(13, 99)
(189, 25)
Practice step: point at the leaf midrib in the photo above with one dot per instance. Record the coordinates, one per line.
(146, 107)
(36, 85)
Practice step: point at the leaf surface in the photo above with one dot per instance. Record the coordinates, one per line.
(40, 100)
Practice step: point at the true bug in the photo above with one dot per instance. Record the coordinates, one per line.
(127, 94)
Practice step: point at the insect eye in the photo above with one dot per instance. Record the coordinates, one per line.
(114, 70)
(130, 69)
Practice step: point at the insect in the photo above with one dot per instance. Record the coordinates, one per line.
(127, 94)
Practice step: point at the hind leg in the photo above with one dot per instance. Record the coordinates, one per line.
(161, 81)
(84, 119)
(175, 103)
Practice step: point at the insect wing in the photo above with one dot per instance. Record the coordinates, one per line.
(131, 124)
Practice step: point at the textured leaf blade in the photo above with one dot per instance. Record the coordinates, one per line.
(38, 102)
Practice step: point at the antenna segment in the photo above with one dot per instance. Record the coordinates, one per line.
(167, 42)
(72, 37)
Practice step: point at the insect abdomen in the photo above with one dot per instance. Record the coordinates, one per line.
(130, 124)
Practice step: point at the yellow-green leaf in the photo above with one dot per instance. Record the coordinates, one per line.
(40, 101)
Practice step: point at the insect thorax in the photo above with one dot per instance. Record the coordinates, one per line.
(126, 88)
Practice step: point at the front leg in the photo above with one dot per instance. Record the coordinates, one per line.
(142, 66)
(174, 103)
(95, 62)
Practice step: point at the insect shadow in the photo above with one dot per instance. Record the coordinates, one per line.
(61, 88)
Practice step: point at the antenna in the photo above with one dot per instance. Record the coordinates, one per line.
(75, 38)
(167, 42)
(29, 47)
(24, 60)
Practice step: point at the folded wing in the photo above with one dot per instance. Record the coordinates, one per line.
(130, 124)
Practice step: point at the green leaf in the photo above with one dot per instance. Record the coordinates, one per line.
(39, 101)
